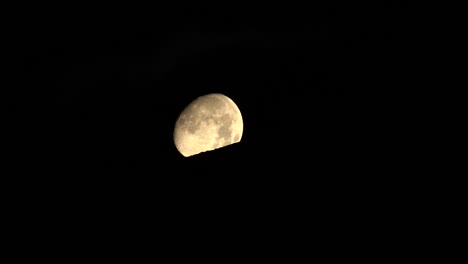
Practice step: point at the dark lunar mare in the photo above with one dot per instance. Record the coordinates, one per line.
(193, 116)
(225, 131)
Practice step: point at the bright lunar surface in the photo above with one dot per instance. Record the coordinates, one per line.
(210, 122)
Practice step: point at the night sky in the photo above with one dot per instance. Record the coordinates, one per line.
(103, 89)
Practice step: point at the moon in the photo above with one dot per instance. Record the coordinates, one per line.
(209, 122)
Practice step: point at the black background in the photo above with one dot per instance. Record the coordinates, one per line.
(102, 87)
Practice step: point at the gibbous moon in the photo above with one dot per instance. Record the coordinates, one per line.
(209, 122)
